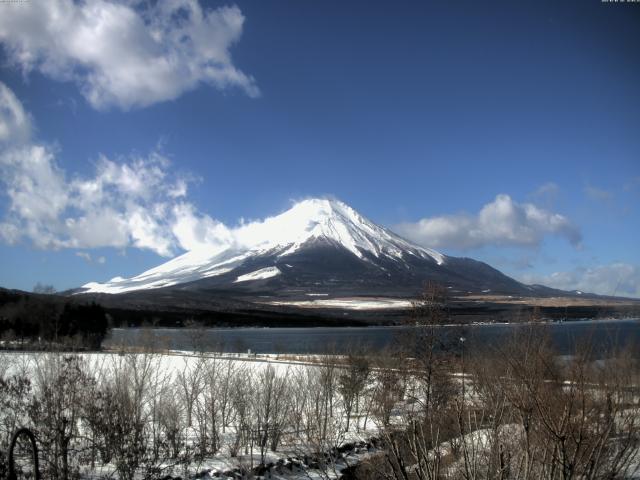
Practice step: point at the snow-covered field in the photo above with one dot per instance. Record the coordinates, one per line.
(266, 381)
(241, 415)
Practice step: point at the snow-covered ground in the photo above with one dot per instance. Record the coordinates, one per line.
(292, 460)
(354, 303)
(299, 453)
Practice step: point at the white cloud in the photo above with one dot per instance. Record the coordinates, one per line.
(501, 222)
(9, 233)
(620, 279)
(126, 54)
(15, 124)
(195, 231)
(98, 211)
(131, 202)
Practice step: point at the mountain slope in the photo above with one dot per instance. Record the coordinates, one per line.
(318, 247)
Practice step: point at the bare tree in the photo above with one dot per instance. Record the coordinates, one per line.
(431, 306)
(271, 408)
(54, 412)
(189, 383)
(242, 404)
(131, 430)
(352, 381)
(171, 421)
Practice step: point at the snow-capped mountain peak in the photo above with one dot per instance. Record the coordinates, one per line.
(317, 219)
(337, 221)
(333, 220)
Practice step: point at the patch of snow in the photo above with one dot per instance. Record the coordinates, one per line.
(349, 303)
(259, 274)
(188, 267)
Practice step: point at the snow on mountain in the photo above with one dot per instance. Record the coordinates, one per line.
(310, 220)
(259, 274)
(328, 219)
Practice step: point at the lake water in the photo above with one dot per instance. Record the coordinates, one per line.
(603, 333)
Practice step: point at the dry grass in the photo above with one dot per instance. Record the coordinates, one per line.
(550, 301)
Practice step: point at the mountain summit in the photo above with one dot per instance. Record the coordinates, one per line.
(319, 246)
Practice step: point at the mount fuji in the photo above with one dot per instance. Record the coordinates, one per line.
(319, 247)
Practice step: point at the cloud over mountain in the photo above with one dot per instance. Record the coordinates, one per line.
(500, 222)
(126, 54)
(137, 201)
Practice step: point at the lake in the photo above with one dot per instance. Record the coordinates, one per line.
(604, 334)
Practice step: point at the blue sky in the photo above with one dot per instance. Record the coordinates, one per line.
(503, 131)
